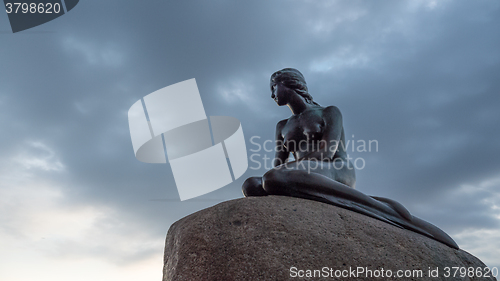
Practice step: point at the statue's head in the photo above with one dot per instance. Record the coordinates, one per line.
(292, 79)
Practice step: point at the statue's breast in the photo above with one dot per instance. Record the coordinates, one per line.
(301, 131)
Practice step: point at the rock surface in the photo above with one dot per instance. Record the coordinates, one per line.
(274, 237)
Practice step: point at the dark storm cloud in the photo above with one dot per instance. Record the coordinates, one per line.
(421, 80)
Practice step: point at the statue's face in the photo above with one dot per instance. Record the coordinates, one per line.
(281, 93)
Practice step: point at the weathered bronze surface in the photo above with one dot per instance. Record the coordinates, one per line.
(321, 170)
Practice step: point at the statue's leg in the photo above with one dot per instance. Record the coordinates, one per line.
(319, 186)
(396, 206)
(253, 187)
(315, 180)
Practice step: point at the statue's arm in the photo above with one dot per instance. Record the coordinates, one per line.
(331, 135)
(282, 152)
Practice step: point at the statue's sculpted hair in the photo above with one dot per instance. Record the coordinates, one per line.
(293, 79)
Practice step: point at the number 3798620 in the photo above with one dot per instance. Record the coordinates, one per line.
(33, 8)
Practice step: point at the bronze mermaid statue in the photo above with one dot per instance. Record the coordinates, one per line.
(321, 170)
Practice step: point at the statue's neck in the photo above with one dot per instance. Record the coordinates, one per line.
(298, 105)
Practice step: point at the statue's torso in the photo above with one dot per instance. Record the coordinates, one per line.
(303, 132)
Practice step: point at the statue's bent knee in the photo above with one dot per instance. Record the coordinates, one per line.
(253, 187)
(273, 181)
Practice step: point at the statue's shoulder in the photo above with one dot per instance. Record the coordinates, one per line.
(281, 124)
(332, 110)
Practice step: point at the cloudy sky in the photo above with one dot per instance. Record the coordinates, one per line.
(420, 77)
